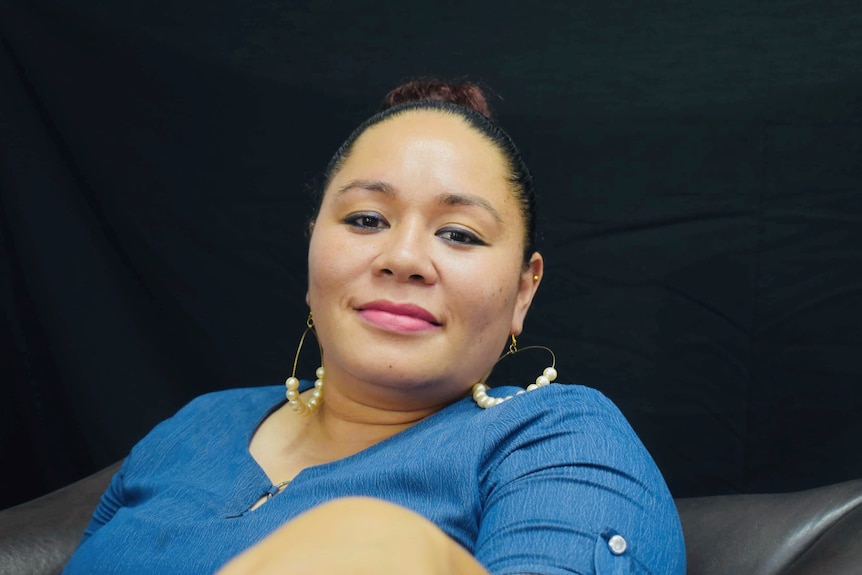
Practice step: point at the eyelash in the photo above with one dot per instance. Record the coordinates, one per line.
(471, 239)
(357, 221)
(361, 222)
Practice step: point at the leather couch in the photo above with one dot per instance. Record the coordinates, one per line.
(812, 532)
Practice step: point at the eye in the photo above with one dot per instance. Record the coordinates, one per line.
(366, 221)
(459, 236)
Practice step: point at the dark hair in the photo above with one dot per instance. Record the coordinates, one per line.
(467, 101)
(466, 94)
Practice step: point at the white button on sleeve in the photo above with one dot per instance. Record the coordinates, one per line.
(618, 544)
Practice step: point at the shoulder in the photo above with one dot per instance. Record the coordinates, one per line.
(241, 398)
(211, 412)
(568, 427)
(569, 408)
(565, 461)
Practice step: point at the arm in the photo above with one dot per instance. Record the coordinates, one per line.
(356, 535)
(567, 487)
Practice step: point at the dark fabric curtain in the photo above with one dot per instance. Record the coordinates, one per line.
(700, 184)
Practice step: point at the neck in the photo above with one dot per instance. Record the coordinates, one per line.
(345, 417)
(358, 415)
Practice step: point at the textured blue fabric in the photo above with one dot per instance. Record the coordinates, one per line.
(551, 482)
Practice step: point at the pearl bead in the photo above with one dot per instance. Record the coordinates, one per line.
(294, 399)
(483, 400)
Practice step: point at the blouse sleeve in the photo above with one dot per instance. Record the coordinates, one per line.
(567, 487)
(109, 504)
(116, 496)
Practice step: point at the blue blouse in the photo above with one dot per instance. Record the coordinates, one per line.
(553, 481)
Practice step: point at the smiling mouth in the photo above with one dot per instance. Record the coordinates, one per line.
(398, 317)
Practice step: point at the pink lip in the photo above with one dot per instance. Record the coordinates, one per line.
(398, 317)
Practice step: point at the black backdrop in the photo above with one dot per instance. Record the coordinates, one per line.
(700, 175)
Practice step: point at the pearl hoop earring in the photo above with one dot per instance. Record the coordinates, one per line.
(480, 390)
(292, 383)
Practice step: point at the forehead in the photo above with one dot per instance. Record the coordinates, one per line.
(431, 148)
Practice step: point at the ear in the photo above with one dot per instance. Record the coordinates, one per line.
(528, 284)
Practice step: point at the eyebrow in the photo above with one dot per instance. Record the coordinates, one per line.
(370, 185)
(444, 199)
(469, 200)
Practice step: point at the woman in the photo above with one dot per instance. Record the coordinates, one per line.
(422, 267)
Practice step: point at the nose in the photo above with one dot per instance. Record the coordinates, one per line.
(405, 254)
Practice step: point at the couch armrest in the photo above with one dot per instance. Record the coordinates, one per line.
(38, 537)
(809, 532)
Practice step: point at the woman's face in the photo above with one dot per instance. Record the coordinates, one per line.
(416, 277)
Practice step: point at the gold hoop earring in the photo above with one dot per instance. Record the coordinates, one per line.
(292, 383)
(480, 390)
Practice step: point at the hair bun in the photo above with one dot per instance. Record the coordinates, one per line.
(464, 94)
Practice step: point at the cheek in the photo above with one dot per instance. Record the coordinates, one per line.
(335, 262)
(488, 292)
(324, 267)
